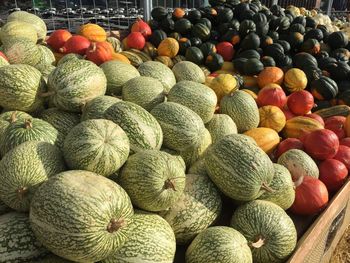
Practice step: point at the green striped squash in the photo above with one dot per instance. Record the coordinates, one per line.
(22, 51)
(242, 108)
(18, 29)
(269, 231)
(81, 216)
(27, 130)
(220, 126)
(20, 88)
(159, 71)
(9, 117)
(143, 130)
(299, 164)
(187, 70)
(38, 161)
(239, 167)
(45, 71)
(196, 210)
(150, 239)
(116, 44)
(195, 96)
(181, 126)
(4, 208)
(3, 62)
(96, 108)
(31, 19)
(198, 167)
(154, 180)
(99, 146)
(175, 154)
(17, 240)
(74, 83)
(144, 91)
(118, 73)
(219, 244)
(62, 121)
(281, 190)
(46, 57)
(69, 57)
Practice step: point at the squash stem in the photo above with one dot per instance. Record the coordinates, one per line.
(169, 184)
(21, 192)
(115, 224)
(28, 124)
(267, 188)
(47, 94)
(259, 243)
(14, 116)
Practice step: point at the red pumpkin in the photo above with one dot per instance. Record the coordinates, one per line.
(321, 144)
(142, 27)
(136, 40)
(337, 125)
(226, 50)
(76, 44)
(272, 95)
(288, 114)
(3, 56)
(315, 117)
(58, 38)
(288, 144)
(300, 102)
(343, 155)
(345, 141)
(311, 196)
(333, 174)
(100, 52)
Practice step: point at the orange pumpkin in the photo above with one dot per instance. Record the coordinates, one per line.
(347, 126)
(120, 57)
(178, 13)
(267, 139)
(100, 52)
(250, 81)
(93, 32)
(295, 80)
(272, 117)
(298, 126)
(270, 75)
(168, 47)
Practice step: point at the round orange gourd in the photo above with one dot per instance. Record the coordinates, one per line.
(267, 139)
(120, 57)
(272, 117)
(169, 47)
(295, 80)
(178, 13)
(270, 75)
(100, 52)
(93, 32)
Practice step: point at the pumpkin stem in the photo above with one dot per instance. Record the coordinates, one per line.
(28, 124)
(169, 184)
(267, 188)
(93, 47)
(47, 94)
(259, 243)
(21, 192)
(217, 108)
(298, 182)
(13, 117)
(115, 224)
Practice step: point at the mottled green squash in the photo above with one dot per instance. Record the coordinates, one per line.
(270, 232)
(198, 167)
(116, 44)
(21, 51)
(18, 29)
(69, 57)
(99, 146)
(96, 108)
(46, 57)
(45, 71)
(219, 244)
(187, 70)
(154, 180)
(150, 239)
(59, 205)
(38, 161)
(220, 126)
(4, 208)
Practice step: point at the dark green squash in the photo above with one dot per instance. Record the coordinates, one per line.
(157, 37)
(310, 22)
(201, 31)
(195, 55)
(240, 9)
(234, 24)
(159, 13)
(284, 44)
(239, 63)
(268, 61)
(312, 73)
(300, 20)
(214, 36)
(297, 28)
(260, 18)
(285, 63)
(231, 36)
(255, 6)
(175, 35)
(246, 27)
(251, 53)
(183, 26)
(277, 10)
(343, 85)
(274, 23)
(276, 51)
(338, 71)
(323, 62)
(248, 14)
(295, 40)
(304, 60)
(341, 54)
(251, 41)
(284, 23)
(338, 40)
(325, 32)
(253, 66)
(274, 35)
(315, 34)
(208, 48)
(311, 46)
(154, 25)
(167, 24)
(184, 44)
(196, 42)
(224, 16)
(194, 15)
(214, 61)
(324, 88)
(206, 22)
(262, 29)
(344, 98)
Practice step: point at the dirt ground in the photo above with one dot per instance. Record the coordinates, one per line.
(342, 252)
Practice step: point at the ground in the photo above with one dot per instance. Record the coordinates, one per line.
(342, 252)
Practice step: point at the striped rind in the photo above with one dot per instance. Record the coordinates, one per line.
(158, 71)
(46, 70)
(220, 126)
(175, 154)
(146, 92)
(27, 165)
(21, 51)
(17, 241)
(17, 133)
(18, 115)
(144, 178)
(69, 57)
(196, 210)
(143, 130)
(298, 163)
(181, 126)
(99, 146)
(76, 82)
(4, 208)
(270, 222)
(186, 70)
(219, 244)
(46, 57)
(18, 29)
(238, 167)
(242, 108)
(198, 167)
(118, 73)
(150, 240)
(195, 96)
(71, 212)
(20, 86)
(62, 121)
(96, 108)
(283, 193)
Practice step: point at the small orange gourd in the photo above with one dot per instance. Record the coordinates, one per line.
(272, 117)
(168, 47)
(93, 32)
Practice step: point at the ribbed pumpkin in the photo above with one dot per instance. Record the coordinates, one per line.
(93, 32)
(168, 47)
(267, 139)
(272, 117)
(298, 126)
(270, 75)
(100, 52)
(272, 94)
(295, 80)
(223, 84)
